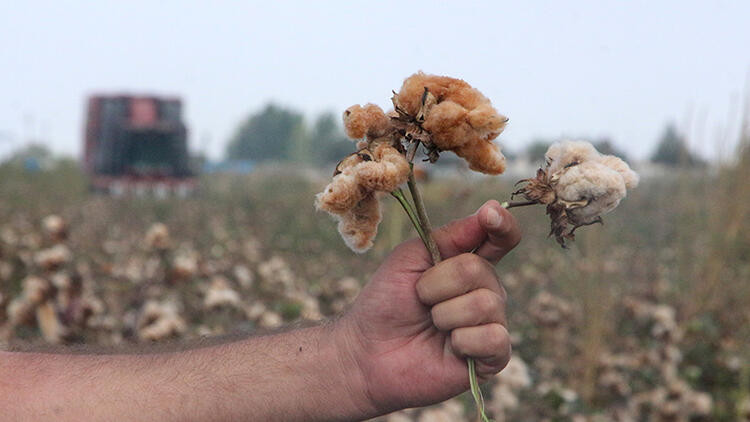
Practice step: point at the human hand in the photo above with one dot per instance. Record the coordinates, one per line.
(413, 326)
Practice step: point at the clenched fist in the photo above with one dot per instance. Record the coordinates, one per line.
(414, 324)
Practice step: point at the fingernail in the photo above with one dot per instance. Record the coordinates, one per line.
(493, 218)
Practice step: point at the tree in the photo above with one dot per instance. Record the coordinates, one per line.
(673, 151)
(272, 134)
(34, 156)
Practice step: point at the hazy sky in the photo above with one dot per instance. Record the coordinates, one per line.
(594, 68)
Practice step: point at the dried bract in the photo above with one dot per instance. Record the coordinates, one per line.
(578, 185)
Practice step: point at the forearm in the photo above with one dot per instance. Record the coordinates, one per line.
(297, 375)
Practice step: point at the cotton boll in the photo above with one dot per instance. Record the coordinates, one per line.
(369, 121)
(341, 195)
(389, 170)
(598, 187)
(563, 154)
(615, 163)
(220, 294)
(458, 118)
(359, 226)
(160, 320)
(53, 257)
(52, 329)
(157, 237)
(483, 156)
(448, 125)
(55, 227)
(442, 87)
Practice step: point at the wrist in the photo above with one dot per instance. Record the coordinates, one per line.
(348, 352)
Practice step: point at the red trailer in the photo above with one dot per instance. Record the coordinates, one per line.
(138, 145)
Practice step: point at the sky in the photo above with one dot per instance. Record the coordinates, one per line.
(557, 69)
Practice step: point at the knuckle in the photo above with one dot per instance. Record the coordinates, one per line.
(470, 266)
(422, 289)
(498, 339)
(458, 341)
(486, 302)
(438, 318)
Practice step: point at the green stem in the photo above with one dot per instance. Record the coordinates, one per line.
(423, 219)
(476, 392)
(422, 224)
(399, 195)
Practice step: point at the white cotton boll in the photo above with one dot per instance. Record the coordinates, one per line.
(562, 154)
(220, 294)
(615, 163)
(515, 374)
(599, 187)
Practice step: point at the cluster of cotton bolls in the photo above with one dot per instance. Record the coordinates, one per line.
(437, 112)
(56, 297)
(673, 398)
(150, 286)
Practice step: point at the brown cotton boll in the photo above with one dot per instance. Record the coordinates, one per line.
(448, 125)
(615, 163)
(457, 118)
(566, 153)
(359, 226)
(369, 121)
(363, 154)
(389, 170)
(483, 156)
(486, 121)
(341, 195)
(442, 87)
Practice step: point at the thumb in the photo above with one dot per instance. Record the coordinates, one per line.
(491, 232)
(503, 231)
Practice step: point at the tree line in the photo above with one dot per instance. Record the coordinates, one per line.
(276, 133)
(280, 134)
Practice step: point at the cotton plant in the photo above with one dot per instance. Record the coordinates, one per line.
(439, 114)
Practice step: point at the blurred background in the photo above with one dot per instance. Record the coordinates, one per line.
(159, 160)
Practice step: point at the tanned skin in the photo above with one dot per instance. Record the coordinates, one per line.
(403, 343)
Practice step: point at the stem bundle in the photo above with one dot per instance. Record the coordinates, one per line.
(421, 223)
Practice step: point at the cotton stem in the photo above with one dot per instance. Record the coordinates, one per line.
(423, 219)
(507, 204)
(399, 195)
